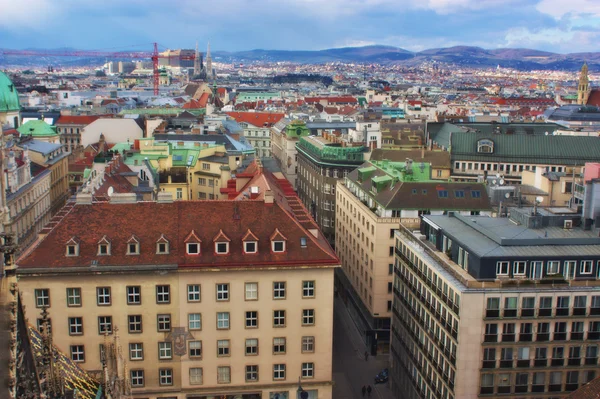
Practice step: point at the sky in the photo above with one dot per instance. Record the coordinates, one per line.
(561, 26)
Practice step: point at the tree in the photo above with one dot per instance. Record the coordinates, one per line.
(100, 74)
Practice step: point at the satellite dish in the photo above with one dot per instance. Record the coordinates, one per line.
(507, 195)
(498, 175)
(494, 181)
(539, 199)
(546, 133)
(110, 191)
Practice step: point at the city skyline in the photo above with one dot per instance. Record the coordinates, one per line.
(234, 25)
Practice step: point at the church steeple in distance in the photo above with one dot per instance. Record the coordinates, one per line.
(583, 89)
(197, 66)
(210, 75)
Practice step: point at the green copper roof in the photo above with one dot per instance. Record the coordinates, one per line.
(9, 98)
(37, 128)
(332, 152)
(161, 111)
(418, 172)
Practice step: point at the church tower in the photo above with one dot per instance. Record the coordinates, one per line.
(209, 68)
(583, 90)
(197, 66)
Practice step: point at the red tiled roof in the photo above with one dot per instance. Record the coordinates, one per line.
(258, 119)
(594, 98)
(591, 390)
(193, 104)
(149, 221)
(332, 100)
(203, 100)
(76, 119)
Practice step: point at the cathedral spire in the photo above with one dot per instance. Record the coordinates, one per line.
(209, 69)
(197, 66)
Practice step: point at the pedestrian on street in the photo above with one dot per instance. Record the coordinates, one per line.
(369, 390)
(366, 356)
(364, 390)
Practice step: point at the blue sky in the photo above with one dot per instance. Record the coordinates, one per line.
(553, 25)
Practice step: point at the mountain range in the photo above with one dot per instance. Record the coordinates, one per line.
(518, 58)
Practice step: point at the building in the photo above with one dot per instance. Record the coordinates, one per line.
(284, 136)
(581, 119)
(56, 160)
(371, 202)
(9, 102)
(177, 58)
(39, 130)
(69, 127)
(556, 188)
(115, 130)
(322, 162)
(495, 306)
(439, 161)
(257, 129)
(238, 296)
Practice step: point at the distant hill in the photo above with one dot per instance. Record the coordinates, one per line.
(468, 56)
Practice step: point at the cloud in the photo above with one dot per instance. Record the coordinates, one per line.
(573, 8)
(17, 16)
(554, 39)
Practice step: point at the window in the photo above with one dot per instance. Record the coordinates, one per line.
(42, 297)
(73, 297)
(195, 348)
(459, 193)
(252, 373)
(202, 181)
(179, 194)
(194, 321)
(222, 292)
(222, 320)
(134, 295)
(278, 246)
(135, 323)
(586, 267)
(493, 307)
(252, 319)
(40, 324)
(485, 146)
(103, 296)
(552, 267)
(251, 291)
(308, 289)
(251, 346)
(562, 305)
(279, 318)
(163, 322)
(279, 290)
(193, 248)
(502, 268)
(136, 351)
(163, 294)
(279, 371)
(250, 247)
(72, 250)
(308, 370)
(104, 249)
(75, 325)
(196, 376)
(77, 353)
(165, 376)
(133, 248)
(162, 248)
(308, 317)
(165, 350)
(104, 325)
(137, 378)
(205, 166)
(519, 268)
(222, 248)
(278, 345)
(193, 292)
(223, 375)
(308, 344)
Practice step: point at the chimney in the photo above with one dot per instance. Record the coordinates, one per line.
(83, 199)
(268, 197)
(123, 198)
(422, 152)
(164, 198)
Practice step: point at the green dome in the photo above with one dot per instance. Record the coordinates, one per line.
(37, 128)
(9, 98)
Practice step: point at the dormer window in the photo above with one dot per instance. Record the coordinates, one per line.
(485, 146)
(162, 245)
(72, 247)
(221, 243)
(192, 244)
(250, 243)
(104, 246)
(278, 241)
(133, 246)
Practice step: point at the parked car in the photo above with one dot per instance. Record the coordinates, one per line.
(381, 377)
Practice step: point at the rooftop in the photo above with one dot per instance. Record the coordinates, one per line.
(324, 150)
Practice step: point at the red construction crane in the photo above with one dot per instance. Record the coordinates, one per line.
(154, 56)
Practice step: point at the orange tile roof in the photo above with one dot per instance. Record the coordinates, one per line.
(258, 119)
(149, 221)
(76, 119)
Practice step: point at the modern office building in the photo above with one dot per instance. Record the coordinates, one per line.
(490, 307)
(322, 162)
(219, 299)
(371, 202)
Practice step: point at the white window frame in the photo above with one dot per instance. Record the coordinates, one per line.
(589, 263)
(103, 296)
(500, 266)
(77, 353)
(223, 348)
(187, 248)
(136, 351)
(163, 320)
(158, 249)
(223, 375)
(552, 263)
(218, 252)
(279, 372)
(251, 291)
(251, 318)
(279, 318)
(279, 342)
(194, 321)
(134, 297)
(222, 290)
(516, 266)
(163, 293)
(136, 248)
(193, 293)
(42, 297)
(246, 247)
(76, 325)
(223, 321)
(308, 370)
(137, 378)
(252, 344)
(279, 288)
(274, 243)
(195, 345)
(105, 325)
(196, 376)
(251, 373)
(308, 289)
(73, 297)
(165, 350)
(308, 344)
(165, 377)
(308, 317)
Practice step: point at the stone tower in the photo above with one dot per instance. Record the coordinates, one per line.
(209, 68)
(583, 90)
(197, 66)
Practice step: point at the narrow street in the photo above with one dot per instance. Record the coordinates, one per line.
(350, 370)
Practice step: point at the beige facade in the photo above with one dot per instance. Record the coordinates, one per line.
(221, 332)
(557, 187)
